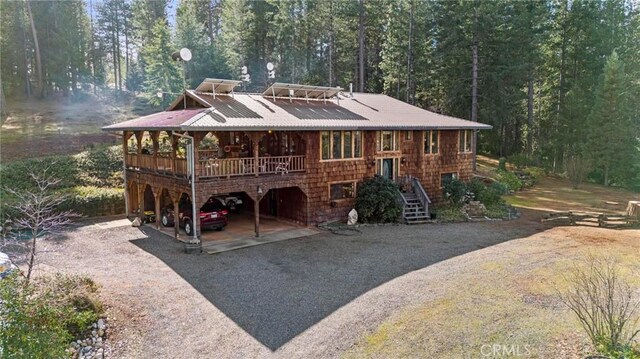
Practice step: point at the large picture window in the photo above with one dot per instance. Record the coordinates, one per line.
(387, 141)
(464, 138)
(336, 145)
(431, 142)
(342, 190)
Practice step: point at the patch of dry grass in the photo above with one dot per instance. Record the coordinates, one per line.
(510, 297)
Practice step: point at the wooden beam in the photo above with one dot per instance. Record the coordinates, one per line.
(256, 210)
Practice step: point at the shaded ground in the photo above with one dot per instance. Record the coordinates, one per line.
(309, 297)
(58, 125)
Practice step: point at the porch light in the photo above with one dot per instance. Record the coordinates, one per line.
(259, 190)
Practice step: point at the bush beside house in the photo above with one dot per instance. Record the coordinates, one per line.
(377, 201)
(92, 180)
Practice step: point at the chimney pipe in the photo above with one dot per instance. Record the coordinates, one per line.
(351, 89)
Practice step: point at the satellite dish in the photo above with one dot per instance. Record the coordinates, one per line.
(269, 66)
(185, 54)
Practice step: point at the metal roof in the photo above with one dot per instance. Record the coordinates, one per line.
(255, 112)
(280, 89)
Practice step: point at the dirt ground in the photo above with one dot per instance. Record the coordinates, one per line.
(437, 291)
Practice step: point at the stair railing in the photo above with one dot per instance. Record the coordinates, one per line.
(419, 191)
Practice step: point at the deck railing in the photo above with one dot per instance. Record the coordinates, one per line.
(230, 167)
(216, 168)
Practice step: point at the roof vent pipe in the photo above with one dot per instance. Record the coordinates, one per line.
(351, 89)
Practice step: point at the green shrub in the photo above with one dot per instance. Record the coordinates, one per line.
(521, 160)
(38, 319)
(499, 187)
(490, 196)
(449, 213)
(535, 173)
(377, 201)
(475, 186)
(502, 164)
(92, 179)
(455, 191)
(102, 168)
(94, 201)
(510, 179)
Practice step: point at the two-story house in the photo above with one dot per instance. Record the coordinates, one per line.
(294, 152)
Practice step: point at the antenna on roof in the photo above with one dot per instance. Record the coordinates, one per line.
(184, 56)
(245, 77)
(271, 73)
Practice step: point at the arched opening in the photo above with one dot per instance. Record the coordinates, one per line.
(132, 144)
(210, 147)
(165, 146)
(149, 200)
(147, 144)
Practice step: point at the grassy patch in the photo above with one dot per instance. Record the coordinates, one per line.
(509, 297)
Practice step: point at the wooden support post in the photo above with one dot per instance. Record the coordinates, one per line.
(125, 150)
(176, 217)
(157, 198)
(154, 139)
(139, 135)
(256, 210)
(141, 188)
(196, 217)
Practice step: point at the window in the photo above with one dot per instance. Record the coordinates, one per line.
(336, 139)
(446, 177)
(340, 144)
(408, 135)
(357, 144)
(387, 141)
(431, 141)
(464, 139)
(342, 190)
(347, 145)
(325, 140)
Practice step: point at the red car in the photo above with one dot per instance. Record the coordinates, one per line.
(213, 214)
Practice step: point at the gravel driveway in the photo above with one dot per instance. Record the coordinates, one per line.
(310, 297)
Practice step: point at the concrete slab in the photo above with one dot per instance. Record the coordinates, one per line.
(213, 247)
(240, 233)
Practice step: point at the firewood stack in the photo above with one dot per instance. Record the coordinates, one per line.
(633, 209)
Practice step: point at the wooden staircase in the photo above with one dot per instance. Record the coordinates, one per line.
(416, 203)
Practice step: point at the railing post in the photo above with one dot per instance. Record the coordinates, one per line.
(256, 153)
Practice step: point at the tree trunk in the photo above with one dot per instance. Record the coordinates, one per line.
(361, 48)
(3, 106)
(40, 90)
(606, 175)
(409, 54)
(117, 54)
(331, 43)
(32, 254)
(474, 69)
(530, 117)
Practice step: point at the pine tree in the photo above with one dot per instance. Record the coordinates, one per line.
(162, 72)
(612, 130)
